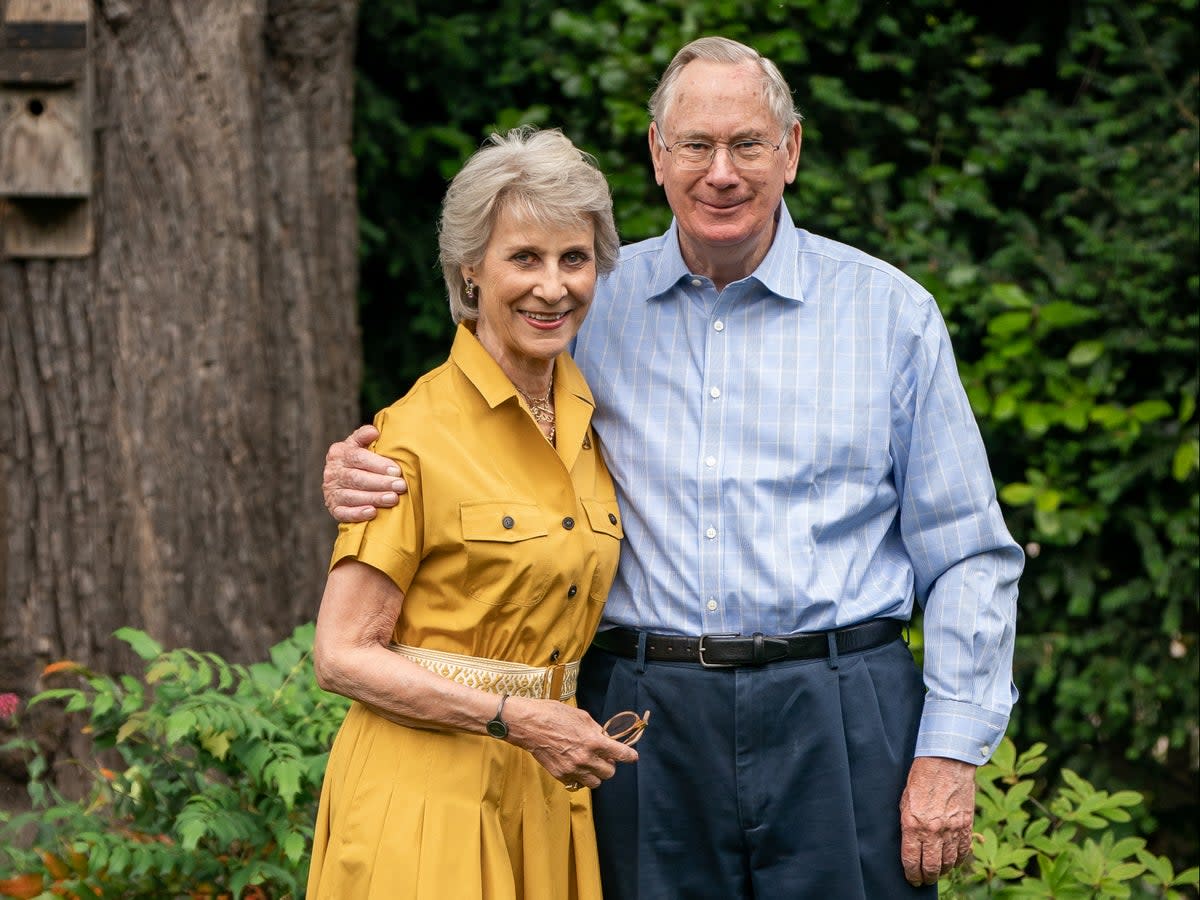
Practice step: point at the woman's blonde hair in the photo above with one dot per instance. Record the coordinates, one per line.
(541, 177)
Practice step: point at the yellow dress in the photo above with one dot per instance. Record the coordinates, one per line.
(511, 559)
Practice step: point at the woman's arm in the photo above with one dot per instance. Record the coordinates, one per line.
(351, 657)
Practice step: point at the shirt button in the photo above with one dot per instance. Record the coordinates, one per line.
(718, 325)
(712, 605)
(555, 654)
(711, 533)
(572, 591)
(507, 522)
(710, 461)
(714, 392)
(696, 282)
(612, 520)
(568, 523)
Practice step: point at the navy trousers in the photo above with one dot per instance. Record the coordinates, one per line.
(779, 782)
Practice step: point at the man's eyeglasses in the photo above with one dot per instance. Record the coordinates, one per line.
(627, 727)
(695, 155)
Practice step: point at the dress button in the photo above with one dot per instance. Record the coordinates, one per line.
(712, 605)
(718, 325)
(714, 392)
(572, 591)
(696, 282)
(555, 655)
(507, 522)
(612, 520)
(711, 533)
(568, 523)
(710, 461)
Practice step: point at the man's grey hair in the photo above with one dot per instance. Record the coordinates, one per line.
(722, 50)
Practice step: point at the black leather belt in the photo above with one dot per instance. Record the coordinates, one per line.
(725, 650)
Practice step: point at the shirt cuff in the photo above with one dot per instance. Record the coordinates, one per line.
(354, 542)
(961, 731)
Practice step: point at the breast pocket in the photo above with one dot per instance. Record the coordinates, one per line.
(508, 555)
(605, 520)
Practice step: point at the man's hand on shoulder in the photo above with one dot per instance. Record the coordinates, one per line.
(357, 481)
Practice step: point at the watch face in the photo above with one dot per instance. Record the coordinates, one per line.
(497, 729)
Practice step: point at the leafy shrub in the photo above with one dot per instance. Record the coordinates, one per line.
(222, 766)
(1073, 846)
(216, 790)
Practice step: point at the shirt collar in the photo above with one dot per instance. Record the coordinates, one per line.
(777, 272)
(491, 382)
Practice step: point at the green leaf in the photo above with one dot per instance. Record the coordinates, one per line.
(295, 846)
(1151, 410)
(217, 743)
(1188, 877)
(179, 724)
(1063, 314)
(1011, 296)
(140, 642)
(1009, 323)
(1186, 460)
(1018, 493)
(1085, 353)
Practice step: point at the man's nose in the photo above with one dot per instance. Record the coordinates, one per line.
(721, 169)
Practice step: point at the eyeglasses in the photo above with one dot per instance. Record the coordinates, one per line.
(696, 155)
(627, 727)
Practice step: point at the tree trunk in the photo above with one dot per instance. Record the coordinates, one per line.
(165, 403)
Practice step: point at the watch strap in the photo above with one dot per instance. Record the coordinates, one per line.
(496, 726)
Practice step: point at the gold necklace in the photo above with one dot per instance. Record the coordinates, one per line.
(542, 409)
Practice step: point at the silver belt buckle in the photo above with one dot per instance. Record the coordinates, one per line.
(700, 650)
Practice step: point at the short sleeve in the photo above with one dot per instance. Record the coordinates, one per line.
(392, 542)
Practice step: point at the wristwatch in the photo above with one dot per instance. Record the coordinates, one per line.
(496, 726)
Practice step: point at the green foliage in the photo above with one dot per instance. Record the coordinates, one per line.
(222, 766)
(1073, 845)
(215, 791)
(1034, 166)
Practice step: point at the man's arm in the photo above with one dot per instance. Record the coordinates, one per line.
(965, 567)
(357, 481)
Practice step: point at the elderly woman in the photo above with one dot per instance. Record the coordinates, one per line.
(456, 620)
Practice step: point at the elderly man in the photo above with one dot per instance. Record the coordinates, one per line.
(796, 464)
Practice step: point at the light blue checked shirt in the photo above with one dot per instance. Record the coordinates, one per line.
(796, 453)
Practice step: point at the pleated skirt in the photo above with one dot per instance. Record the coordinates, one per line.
(412, 814)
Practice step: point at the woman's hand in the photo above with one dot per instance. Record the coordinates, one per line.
(567, 742)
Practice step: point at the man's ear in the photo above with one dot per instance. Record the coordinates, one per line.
(656, 152)
(795, 136)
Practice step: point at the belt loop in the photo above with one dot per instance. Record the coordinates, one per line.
(554, 688)
(641, 652)
(831, 637)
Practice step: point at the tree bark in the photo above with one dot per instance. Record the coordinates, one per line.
(165, 403)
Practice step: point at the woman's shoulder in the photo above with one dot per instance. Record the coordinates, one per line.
(405, 420)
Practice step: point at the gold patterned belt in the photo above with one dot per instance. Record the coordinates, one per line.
(496, 676)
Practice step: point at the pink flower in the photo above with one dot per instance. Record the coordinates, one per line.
(8, 705)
